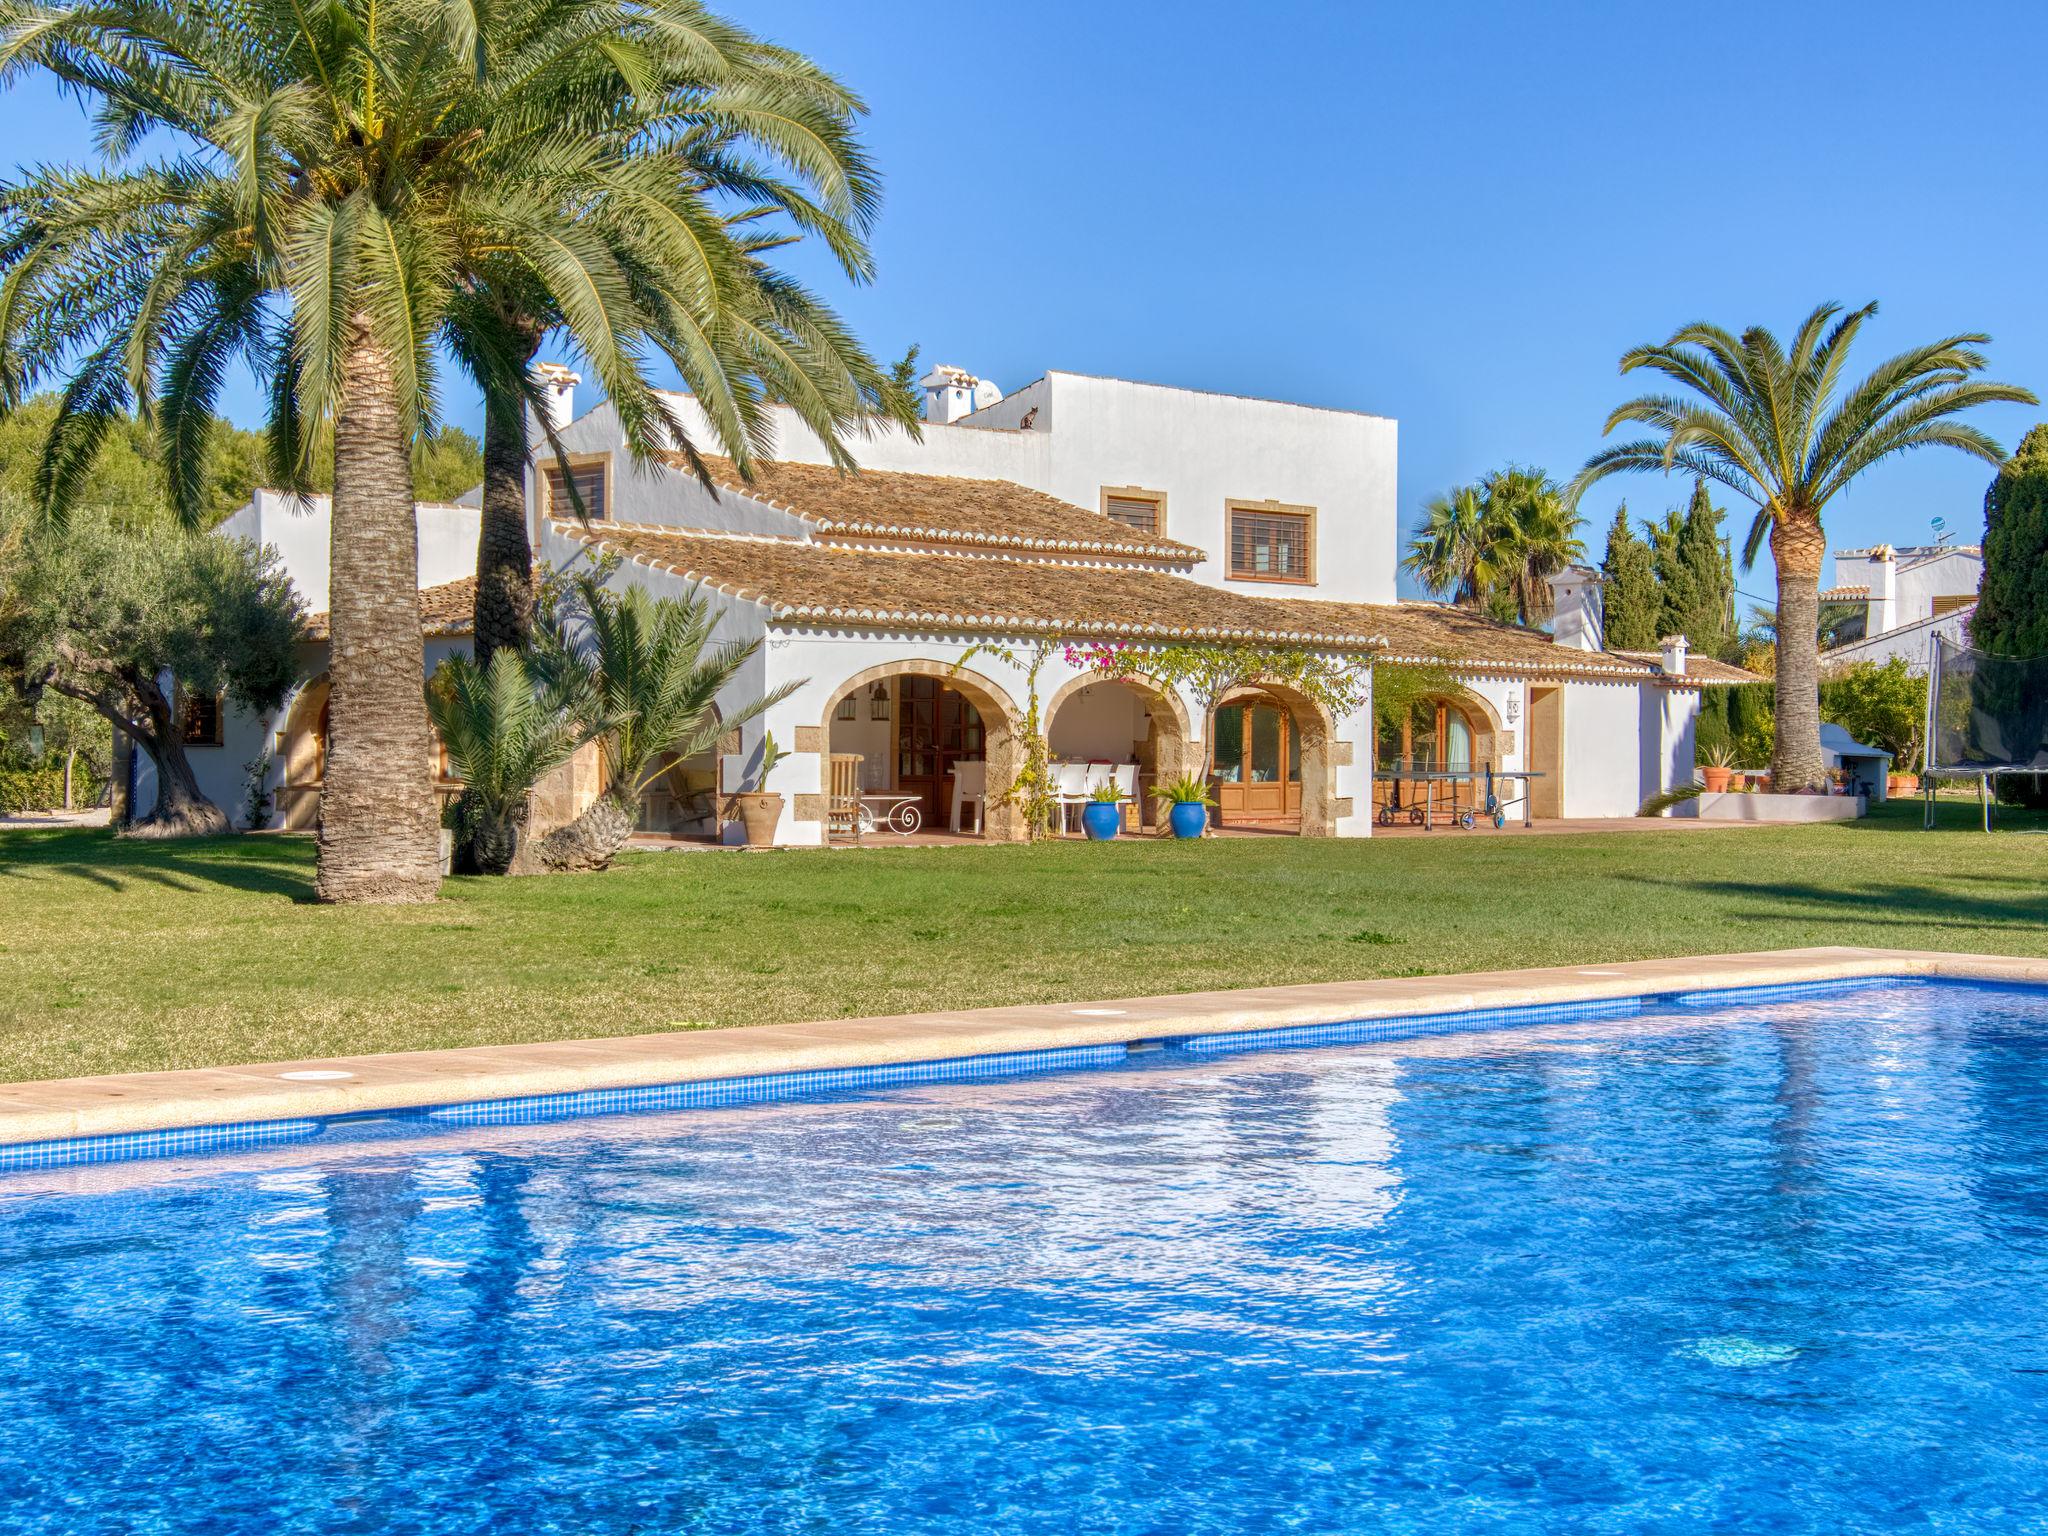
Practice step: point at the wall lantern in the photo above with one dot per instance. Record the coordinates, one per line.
(849, 708)
(1514, 706)
(878, 702)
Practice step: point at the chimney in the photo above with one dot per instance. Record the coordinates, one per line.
(558, 389)
(950, 393)
(1884, 590)
(1675, 649)
(1578, 617)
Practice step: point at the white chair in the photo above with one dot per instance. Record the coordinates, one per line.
(970, 782)
(1070, 788)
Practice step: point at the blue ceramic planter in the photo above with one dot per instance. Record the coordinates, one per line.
(1187, 819)
(1101, 820)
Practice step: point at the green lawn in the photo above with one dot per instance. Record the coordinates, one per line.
(118, 956)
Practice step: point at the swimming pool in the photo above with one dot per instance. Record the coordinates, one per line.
(1763, 1263)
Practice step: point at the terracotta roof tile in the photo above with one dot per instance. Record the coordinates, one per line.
(1844, 594)
(1700, 669)
(805, 583)
(448, 609)
(876, 504)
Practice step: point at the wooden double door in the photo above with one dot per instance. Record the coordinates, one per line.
(1258, 762)
(935, 728)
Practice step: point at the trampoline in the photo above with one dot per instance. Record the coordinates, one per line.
(1987, 720)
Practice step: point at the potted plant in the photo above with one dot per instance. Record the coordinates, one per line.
(1719, 767)
(1103, 816)
(1187, 801)
(761, 808)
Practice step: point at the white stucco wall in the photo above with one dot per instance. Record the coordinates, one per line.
(1104, 721)
(1912, 642)
(1202, 450)
(298, 528)
(1206, 450)
(1603, 743)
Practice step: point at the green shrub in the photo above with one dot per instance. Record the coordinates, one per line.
(30, 786)
(1881, 705)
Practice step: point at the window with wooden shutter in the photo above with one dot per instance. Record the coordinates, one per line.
(1269, 542)
(1140, 511)
(199, 721)
(590, 486)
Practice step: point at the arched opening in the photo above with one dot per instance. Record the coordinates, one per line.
(1437, 752)
(930, 737)
(1272, 762)
(1128, 722)
(303, 752)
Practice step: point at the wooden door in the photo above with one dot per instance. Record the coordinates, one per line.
(1546, 751)
(1258, 762)
(935, 728)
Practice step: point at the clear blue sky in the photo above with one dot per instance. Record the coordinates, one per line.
(1455, 214)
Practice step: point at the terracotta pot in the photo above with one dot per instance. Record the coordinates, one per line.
(1902, 784)
(758, 814)
(1717, 779)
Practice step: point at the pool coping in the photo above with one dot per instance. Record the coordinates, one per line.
(252, 1095)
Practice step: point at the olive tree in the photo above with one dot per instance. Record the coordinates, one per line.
(129, 621)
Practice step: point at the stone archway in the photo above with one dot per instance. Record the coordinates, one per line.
(1166, 749)
(1002, 734)
(1316, 738)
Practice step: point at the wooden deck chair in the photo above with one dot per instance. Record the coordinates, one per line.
(842, 806)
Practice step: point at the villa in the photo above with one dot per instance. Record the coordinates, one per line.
(905, 601)
(1900, 597)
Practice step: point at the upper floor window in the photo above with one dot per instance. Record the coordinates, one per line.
(199, 723)
(592, 480)
(1138, 510)
(1271, 542)
(1950, 604)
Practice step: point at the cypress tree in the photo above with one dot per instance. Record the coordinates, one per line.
(1678, 597)
(2012, 605)
(1631, 597)
(1710, 576)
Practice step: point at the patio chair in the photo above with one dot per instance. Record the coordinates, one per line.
(1126, 781)
(1070, 788)
(842, 804)
(970, 783)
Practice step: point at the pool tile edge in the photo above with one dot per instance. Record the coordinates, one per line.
(169, 1102)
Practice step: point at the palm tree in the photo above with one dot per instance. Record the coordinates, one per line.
(1777, 426)
(647, 678)
(1446, 554)
(1530, 535)
(1493, 545)
(504, 732)
(347, 180)
(743, 133)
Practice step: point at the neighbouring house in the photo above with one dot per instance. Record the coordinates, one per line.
(1906, 595)
(904, 600)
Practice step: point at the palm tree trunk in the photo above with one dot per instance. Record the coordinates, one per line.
(378, 830)
(592, 840)
(1797, 545)
(504, 558)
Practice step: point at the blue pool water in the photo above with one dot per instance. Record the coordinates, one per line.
(1761, 1266)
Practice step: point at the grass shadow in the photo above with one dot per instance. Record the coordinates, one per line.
(266, 865)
